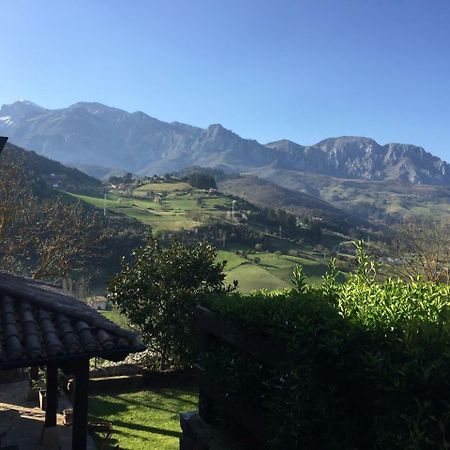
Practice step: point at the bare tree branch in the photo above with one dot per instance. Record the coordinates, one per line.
(422, 248)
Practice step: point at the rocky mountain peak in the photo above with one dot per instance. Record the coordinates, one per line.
(346, 144)
(286, 146)
(216, 130)
(17, 111)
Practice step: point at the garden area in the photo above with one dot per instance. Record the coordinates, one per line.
(360, 362)
(142, 417)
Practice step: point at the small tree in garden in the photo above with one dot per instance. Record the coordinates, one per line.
(159, 290)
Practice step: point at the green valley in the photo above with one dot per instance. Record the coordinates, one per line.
(173, 208)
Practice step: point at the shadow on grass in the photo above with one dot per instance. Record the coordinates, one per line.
(170, 394)
(151, 400)
(147, 429)
(267, 266)
(172, 405)
(120, 405)
(101, 406)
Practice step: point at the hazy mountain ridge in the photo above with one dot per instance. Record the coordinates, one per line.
(92, 133)
(95, 134)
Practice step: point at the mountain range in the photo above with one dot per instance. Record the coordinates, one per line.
(96, 138)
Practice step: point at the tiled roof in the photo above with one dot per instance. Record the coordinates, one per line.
(40, 324)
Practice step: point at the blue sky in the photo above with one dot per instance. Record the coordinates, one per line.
(301, 70)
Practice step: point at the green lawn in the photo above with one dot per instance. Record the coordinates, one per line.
(145, 419)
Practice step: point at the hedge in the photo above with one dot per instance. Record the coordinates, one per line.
(367, 364)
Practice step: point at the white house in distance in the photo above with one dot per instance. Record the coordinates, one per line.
(97, 302)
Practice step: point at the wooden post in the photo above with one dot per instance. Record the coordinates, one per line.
(34, 373)
(51, 382)
(80, 406)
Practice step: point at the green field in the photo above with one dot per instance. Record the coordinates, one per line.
(179, 206)
(162, 187)
(268, 270)
(271, 272)
(164, 206)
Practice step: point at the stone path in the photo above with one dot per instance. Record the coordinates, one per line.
(23, 421)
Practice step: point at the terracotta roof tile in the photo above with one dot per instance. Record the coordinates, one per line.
(40, 324)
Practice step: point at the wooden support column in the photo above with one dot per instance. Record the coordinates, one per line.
(51, 382)
(80, 406)
(34, 373)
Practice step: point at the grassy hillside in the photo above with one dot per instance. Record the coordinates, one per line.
(375, 199)
(176, 206)
(164, 206)
(49, 173)
(269, 270)
(264, 193)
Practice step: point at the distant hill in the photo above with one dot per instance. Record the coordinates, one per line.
(264, 193)
(49, 173)
(385, 201)
(100, 172)
(92, 134)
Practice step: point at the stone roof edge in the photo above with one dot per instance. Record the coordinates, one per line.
(44, 295)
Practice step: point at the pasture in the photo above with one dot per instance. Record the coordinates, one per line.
(265, 270)
(177, 206)
(163, 206)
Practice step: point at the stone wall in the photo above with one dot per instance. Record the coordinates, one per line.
(198, 435)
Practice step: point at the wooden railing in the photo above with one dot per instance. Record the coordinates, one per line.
(260, 345)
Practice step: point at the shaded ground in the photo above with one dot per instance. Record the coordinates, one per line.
(23, 420)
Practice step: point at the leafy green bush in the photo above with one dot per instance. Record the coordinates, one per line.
(367, 366)
(158, 292)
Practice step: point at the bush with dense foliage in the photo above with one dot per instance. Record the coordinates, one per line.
(368, 362)
(158, 291)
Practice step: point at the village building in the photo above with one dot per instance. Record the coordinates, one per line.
(98, 302)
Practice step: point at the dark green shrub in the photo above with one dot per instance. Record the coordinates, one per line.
(158, 292)
(368, 364)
